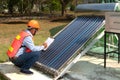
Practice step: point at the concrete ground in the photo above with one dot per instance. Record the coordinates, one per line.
(91, 68)
(87, 68)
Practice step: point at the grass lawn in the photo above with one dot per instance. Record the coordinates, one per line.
(9, 30)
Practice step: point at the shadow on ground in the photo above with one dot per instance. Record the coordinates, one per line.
(55, 30)
(15, 22)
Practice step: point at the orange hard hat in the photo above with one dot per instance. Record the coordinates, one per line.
(33, 24)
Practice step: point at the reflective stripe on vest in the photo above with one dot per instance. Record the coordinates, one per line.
(16, 44)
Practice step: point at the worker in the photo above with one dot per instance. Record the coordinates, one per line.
(22, 52)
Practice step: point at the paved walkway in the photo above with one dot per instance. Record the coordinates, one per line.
(12, 72)
(91, 68)
(87, 68)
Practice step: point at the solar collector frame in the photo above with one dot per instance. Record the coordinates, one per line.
(78, 29)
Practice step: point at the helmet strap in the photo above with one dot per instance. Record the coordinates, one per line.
(29, 28)
(35, 29)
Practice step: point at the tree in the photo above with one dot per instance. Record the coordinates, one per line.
(11, 4)
(54, 5)
(3, 5)
(63, 5)
(24, 6)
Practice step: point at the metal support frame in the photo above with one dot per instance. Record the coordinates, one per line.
(105, 51)
(80, 54)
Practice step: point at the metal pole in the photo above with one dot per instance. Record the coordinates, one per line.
(118, 48)
(105, 50)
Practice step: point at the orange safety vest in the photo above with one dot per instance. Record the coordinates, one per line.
(16, 44)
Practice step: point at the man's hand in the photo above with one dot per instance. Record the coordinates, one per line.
(45, 45)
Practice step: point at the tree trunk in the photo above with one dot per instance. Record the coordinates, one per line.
(63, 9)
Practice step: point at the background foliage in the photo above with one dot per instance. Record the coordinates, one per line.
(23, 7)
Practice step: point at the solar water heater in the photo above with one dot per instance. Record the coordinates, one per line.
(67, 43)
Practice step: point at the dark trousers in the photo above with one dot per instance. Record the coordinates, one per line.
(26, 60)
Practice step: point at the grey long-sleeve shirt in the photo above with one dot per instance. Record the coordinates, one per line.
(28, 42)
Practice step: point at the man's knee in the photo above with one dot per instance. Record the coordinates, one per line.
(36, 54)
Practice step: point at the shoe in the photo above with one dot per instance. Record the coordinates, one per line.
(26, 71)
